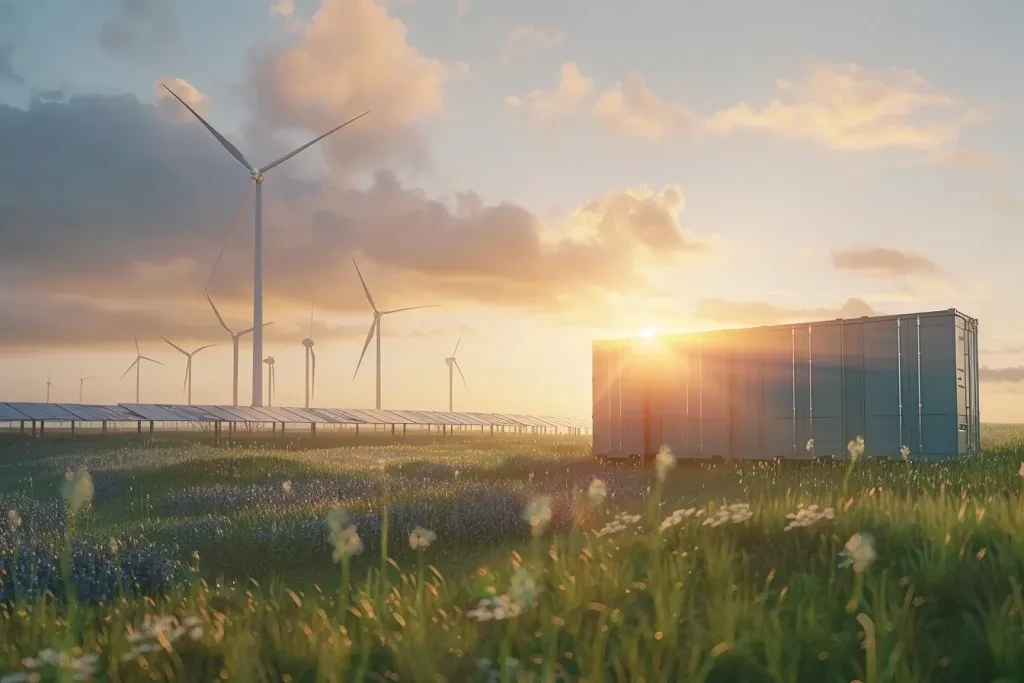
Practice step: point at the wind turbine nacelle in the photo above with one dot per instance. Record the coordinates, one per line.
(308, 343)
(449, 361)
(256, 176)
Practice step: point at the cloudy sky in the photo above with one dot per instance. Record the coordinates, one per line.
(547, 172)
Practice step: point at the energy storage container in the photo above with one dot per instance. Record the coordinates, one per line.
(793, 391)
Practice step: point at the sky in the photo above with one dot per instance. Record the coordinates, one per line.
(546, 173)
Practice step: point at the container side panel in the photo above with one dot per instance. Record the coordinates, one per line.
(632, 398)
(882, 389)
(602, 405)
(715, 381)
(854, 407)
(674, 402)
(827, 390)
(779, 439)
(650, 358)
(746, 415)
(615, 400)
(801, 371)
(938, 388)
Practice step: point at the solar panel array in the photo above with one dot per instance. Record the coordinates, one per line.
(153, 412)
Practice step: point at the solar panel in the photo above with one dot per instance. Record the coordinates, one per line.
(308, 414)
(322, 415)
(48, 412)
(151, 413)
(342, 416)
(279, 414)
(89, 413)
(248, 414)
(222, 414)
(473, 418)
(524, 421)
(9, 414)
(365, 415)
(380, 416)
(422, 418)
(488, 418)
(559, 422)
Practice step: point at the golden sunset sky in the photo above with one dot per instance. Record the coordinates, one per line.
(547, 172)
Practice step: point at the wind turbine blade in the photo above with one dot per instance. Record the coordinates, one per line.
(456, 364)
(312, 142)
(130, 367)
(369, 338)
(220, 319)
(312, 386)
(188, 370)
(180, 350)
(250, 329)
(410, 308)
(231, 232)
(137, 352)
(201, 348)
(457, 346)
(152, 360)
(311, 309)
(365, 288)
(220, 138)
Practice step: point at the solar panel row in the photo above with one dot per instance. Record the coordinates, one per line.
(150, 412)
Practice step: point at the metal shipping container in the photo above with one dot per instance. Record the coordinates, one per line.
(793, 391)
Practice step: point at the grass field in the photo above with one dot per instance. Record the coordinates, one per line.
(195, 562)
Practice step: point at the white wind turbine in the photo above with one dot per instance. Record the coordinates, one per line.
(375, 327)
(257, 289)
(188, 364)
(137, 364)
(454, 364)
(310, 354)
(49, 384)
(234, 345)
(81, 385)
(271, 377)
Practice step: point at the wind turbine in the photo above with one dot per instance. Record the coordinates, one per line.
(48, 385)
(81, 384)
(271, 377)
(188, 364)
(256, 174)
(310, 353)
(137, 364)
(375, 327)
(234, 344)
(452, 363)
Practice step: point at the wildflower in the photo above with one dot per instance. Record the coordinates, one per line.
(663, 462)
(856, 448)
(597, 492)
(13, 520)
(620, 523)
(1021, 471)
(730, 514)
(343, 536)
(497, 609)
(522, 588)
(196, 633)
(113, 545)
(677, 517)
(859, 552)
(420, 538)
(807, 516)
(78, 490)
(287, 487)
(337, 519)
(538, 514)
(810, 445)
(905, 452)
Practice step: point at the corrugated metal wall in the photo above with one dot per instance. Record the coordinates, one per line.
(765, 392)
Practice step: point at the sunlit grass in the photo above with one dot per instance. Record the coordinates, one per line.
(507, 561)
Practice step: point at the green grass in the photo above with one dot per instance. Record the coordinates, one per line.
(748, 601)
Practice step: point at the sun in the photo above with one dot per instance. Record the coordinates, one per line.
(649, 333)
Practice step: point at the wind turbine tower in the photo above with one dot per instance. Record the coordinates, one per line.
(137, 364)
(452, 366)
(310, 355)
(81, 385)
(256, 174)
(235, 336)
(375, 327)
(49, 384)
(271, 377)
(188, 364)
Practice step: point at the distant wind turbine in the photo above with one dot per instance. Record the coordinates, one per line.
(310, 354)
(454, 364)
(375, 327)
(48, 385)
(257, 293)
(81, 384)
(234, 345)
(188, 364)
(137, 364)
(271, 377)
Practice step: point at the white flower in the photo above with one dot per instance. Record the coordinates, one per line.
(677, 517)
(538, 514)
(619, 523)
(337, 519)
(13, 520)
(113, 545)
(522, 588)
(856, 448)
(905, 452)
(78, 490)
(859, 552)
(420, 538)
(196, 633)
(597, 492)
(346, 543)
(663, 462)
(807, 516)
(287, 487)
(730, 514)
(810, 445)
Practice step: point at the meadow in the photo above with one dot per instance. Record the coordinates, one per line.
(124, 558)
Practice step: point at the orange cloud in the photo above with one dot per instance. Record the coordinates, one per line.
(170, 109)
(849, 107)
(632, 108)
(545, 107)
(529, 38)
(884, 262)
(750, 313)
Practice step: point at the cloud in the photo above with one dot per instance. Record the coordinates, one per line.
(1007, 375)
(530, 38)
(283, 8)
(139, 24)
(170, 108)
(849, 107)
(884, 262)
(350, 57)
(751, 313)
(970, 158)
(140, 231)
(1006, 205)
(632, 108)
(545, 107)
(7, 72)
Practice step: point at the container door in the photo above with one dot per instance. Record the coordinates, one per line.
(939, 379)
(825, 368)
(882, 387)
(747, 414)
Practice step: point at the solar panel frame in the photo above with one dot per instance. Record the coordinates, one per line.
(10, 414)
(222, 414)
(44, 412)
